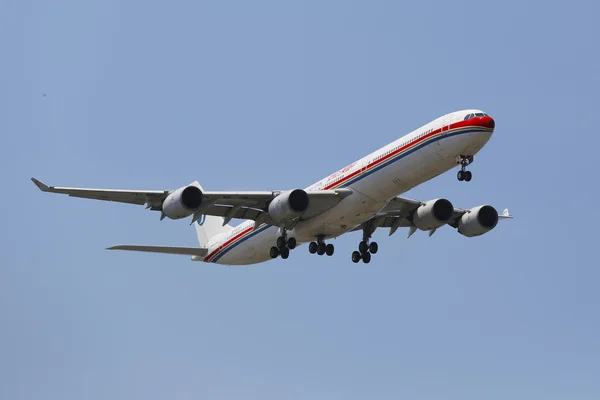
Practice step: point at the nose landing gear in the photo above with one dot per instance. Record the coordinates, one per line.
(463, 174)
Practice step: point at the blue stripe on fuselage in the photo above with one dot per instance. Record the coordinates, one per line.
(224, 251)
(358, 178)
(406, 153)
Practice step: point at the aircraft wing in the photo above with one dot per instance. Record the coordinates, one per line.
(251, 205)
(398, 214)
(187, 251)
(122, 196)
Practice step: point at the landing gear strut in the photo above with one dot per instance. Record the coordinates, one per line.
(320, 247)
(283, 247)
(463, 174)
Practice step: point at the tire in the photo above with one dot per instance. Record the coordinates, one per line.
(460, 175)
(366, 258)
(468, 176)
(285, 253)
(373, 247)
(291, 243)
(280, 242)
(313, 247)
(321, 249)
(356, 257)
(274, 252)
(329, 249)
(363, 247)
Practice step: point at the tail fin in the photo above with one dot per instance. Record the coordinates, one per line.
(209, 226)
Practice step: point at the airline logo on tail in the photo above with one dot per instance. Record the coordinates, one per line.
(201, 220)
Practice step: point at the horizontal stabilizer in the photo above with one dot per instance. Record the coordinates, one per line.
(505, 214)
(186, 251)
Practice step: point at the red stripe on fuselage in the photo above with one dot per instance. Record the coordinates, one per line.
(474, 122)
(481, 122)
(221, 247)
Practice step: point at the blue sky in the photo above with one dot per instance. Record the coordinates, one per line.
(276, 95)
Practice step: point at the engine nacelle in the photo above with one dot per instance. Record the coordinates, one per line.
(182, 202)
(289, 205)
(478, 221)
(433, 214)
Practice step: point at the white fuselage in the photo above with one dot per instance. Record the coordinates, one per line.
(375, 179)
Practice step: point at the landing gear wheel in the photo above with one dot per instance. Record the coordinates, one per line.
(285, 253)
(280, 242)
(329, 249)
(321, 249)
(356, 257)
(366, 257)
(274, 252)
(461, 175)
(313, 247)
(373, 247)
(363, 247)
(468, 176)
(291, 243)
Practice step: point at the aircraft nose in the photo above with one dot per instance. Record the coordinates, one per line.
(487, 121)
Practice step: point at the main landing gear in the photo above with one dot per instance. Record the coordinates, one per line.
(463, 174)
(320, 247)
(284, 245)
(365, 250)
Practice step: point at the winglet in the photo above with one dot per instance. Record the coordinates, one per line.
(41, 185)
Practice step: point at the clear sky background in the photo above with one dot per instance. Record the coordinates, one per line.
(276, 95)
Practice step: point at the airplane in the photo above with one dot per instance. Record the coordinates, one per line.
(362, 196)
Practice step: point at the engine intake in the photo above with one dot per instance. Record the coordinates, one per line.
(288, 205)
(477, 221)
(182, 202)
(433, 214)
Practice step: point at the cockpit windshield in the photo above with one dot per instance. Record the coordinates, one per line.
(473, 115)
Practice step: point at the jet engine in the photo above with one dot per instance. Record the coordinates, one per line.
(288, 206)
(478, 221)
(182, 202)
(433, 214)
